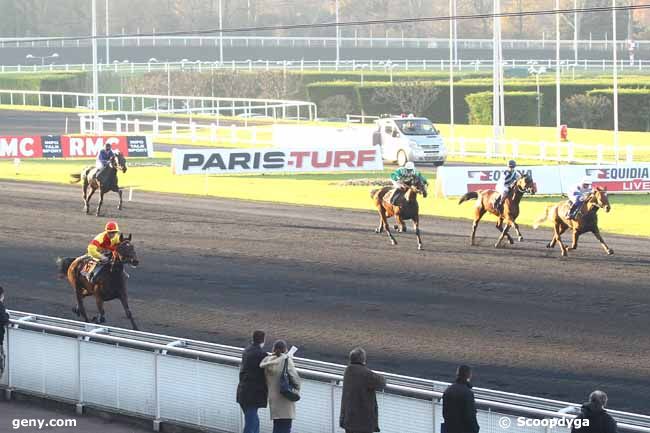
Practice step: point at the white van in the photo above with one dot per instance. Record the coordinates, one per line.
(405, 139)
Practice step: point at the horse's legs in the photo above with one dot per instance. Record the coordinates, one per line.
(101, 201)
(100, 308)
(477, 218)
(119, 205)
(519, 235)
(553, 241)
(80, 306)
(607, 249)
(558, 233)
(381, 223)
(125, 304)
(504, 234)
(384, 223)
(574, 240)
(400, 226)
(416, 227)
(92, 192)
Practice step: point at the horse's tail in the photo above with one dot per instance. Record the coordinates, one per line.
(473, 195)
(76, 177)
(543, 217)
(63, 264)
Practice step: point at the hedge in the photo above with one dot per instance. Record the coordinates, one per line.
(520, 108)
(633, 107)
(49, 82)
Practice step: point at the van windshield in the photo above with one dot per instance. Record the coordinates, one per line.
(416, 127)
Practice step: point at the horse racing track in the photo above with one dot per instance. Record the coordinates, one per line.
(530, 321)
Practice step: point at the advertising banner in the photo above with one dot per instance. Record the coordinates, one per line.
(304, 159)
(69, 146)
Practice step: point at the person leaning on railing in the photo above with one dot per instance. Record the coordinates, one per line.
(458, 405)
(594, 418)
(252, 392)
(282, 410)
(4, 321)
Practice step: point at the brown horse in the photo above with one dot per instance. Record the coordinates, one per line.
(586, 220)
(108, 285)
(406, 209)
(105, 182)
(507, 217)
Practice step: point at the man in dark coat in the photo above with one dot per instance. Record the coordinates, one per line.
(359, 413)
(4, 321)
(458, 406)
(595, 415)
(252, 392)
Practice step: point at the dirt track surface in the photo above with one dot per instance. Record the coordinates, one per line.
(212, 269)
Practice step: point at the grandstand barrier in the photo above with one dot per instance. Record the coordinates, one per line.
(193, 383)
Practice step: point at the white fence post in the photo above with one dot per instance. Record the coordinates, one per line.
(118, 125)
(629, 153)
(213, 133)
(174, 129)
(193, 131)
(599, 154)
(542, 150)
(570, 151)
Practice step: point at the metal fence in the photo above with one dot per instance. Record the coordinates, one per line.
(376, 65)
(190, 382)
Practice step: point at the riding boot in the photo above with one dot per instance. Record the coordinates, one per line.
(396, 197)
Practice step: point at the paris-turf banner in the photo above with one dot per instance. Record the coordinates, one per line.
(299, 159)
(72, 146)
(558, 179)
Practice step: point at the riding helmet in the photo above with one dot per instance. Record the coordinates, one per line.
(112, 226)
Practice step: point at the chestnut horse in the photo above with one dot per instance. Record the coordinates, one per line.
(406, 209)
(107, 181)
(108, 285)
(586, 220)
(506, 218)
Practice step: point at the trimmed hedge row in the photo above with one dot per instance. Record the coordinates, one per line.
(520, 108)
(364, 96)
(633, 107)
(50, 82)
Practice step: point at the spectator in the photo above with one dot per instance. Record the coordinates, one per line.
(4, 321)
(458, 407)
(594, 411)
(252, 392)
(282, 410)
(359, 413)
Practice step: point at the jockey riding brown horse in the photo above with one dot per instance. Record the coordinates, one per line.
(505, 218)
(586, 220)
(108, 285)
(105, 182)
(406, 209)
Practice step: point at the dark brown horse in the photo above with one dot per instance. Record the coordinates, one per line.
(406, 209)
(586, 220)
(507, 217)
(105, 182)
(108, 285)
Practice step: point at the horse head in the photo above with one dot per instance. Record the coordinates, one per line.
(125, 252)
(527, 184)
(598, 198)
(418, 187)
(119, 161)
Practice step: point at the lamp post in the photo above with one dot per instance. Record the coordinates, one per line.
(51, 56)
(535, 70)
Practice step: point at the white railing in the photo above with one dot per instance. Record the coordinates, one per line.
(270, 108)
(356, 39)
(377, 65)
(170, 380)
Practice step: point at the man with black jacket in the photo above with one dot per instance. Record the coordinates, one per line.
(252, 392)
(4, 321)
(458, 406)
(595, 417)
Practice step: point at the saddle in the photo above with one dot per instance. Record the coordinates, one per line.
(88, 265)
(388, 197)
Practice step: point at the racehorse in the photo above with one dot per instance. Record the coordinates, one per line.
(108, 285)
(105, 182)
(406, 208)
(507, 217)
(586, 220)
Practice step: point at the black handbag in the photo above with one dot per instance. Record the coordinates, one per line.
(287, 388)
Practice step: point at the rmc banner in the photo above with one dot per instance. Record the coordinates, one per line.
(68, 146)
(622, 178)
(303, 159)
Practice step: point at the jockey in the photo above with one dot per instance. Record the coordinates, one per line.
(102, 246)
(103, 159)
(577, 195)
(402, 177)
(506, 181)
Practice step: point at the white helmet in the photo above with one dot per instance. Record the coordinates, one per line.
(409, 165)
(586, 181)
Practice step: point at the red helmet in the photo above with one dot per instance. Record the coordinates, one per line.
(112, 226)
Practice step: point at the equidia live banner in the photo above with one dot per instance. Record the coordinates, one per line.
(622, 178)
(302, 159)
(67, 146)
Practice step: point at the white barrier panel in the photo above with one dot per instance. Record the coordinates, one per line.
(306, 159)
(456, 181)
(622, 178)
(308, 135)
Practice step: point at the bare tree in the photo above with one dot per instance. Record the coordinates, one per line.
(587, 110)
(410, 96)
